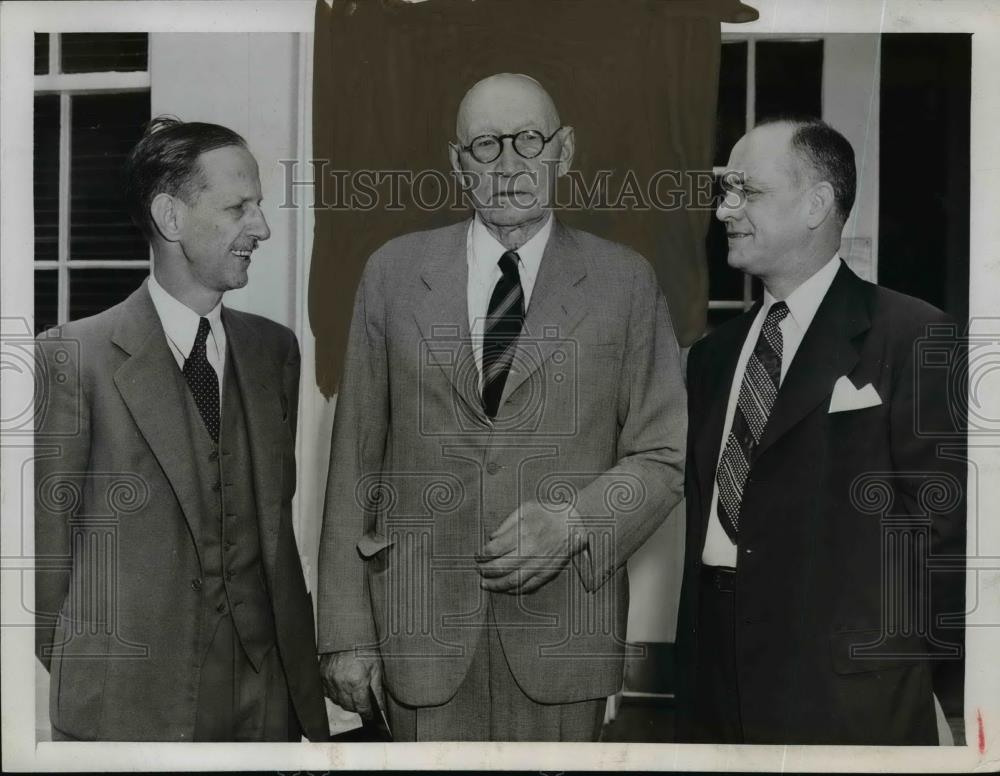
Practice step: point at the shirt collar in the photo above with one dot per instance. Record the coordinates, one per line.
(489, 250)
(180, 322)
(805, 300)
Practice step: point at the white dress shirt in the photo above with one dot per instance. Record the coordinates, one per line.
(483, 252)
(802, 305)
(180, 325)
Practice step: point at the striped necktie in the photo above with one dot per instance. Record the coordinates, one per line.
(757, 394)
(504, 318)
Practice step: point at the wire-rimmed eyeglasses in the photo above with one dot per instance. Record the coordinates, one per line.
(528, 143)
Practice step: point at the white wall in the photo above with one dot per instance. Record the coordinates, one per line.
(851, 78)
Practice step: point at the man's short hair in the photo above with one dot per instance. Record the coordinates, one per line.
(827, 155)
(165, 160)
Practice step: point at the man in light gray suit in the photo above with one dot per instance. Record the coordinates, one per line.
(170, 600)
(509, 430)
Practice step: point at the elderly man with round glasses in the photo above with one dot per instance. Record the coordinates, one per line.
(510, 428)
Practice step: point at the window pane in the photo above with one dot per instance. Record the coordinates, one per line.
(89, 52)
(94, 290)
(731, 114)
(46, 177)
(789, 79)
(105, 128)
(924, 166)
(41, 53)
(46, 299)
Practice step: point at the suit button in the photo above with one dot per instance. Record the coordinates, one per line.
(216, 486)
(229, 546)
(493, 467)
(221, 608)
(230, 575)
(214, 455)
(196, 584)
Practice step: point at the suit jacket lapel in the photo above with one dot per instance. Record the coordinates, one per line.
(829, 349)
(151, 386)
(443, 314)
(262, 408)
(556, 308)
(718, 378)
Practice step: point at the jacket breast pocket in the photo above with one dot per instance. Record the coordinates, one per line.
(851, 431)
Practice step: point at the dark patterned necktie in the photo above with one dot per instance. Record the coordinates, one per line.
(203, 381)
(504, 319)
(757, 394)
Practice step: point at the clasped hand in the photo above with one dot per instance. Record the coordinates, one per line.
(528, 549)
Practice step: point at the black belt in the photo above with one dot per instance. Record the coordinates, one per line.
(719, 577)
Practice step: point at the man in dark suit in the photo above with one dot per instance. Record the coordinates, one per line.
(509, 430)
(170, 598)
(823, 593)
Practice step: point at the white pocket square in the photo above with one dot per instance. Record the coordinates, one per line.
(847, 397)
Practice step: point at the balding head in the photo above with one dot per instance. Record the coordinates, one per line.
(522, 149)
(788, 191)
(505, 98)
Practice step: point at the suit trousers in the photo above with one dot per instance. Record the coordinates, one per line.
(715, 707)
(490, 706)
(238, 703)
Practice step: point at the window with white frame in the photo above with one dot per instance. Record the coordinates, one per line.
(92, 99)
(758, 79)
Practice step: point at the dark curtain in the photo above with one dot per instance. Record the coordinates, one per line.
(637, 79)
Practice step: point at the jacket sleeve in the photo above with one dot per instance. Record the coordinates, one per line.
(360, 427)
(928, 438)
(646, 482)
(290, 380)
(62, 458)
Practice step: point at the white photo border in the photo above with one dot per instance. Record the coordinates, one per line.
(20, 752)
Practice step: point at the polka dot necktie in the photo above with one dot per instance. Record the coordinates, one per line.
(757, 394)
(503, 325)
(203, 381)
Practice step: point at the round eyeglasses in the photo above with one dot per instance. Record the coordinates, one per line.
(528, 143)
